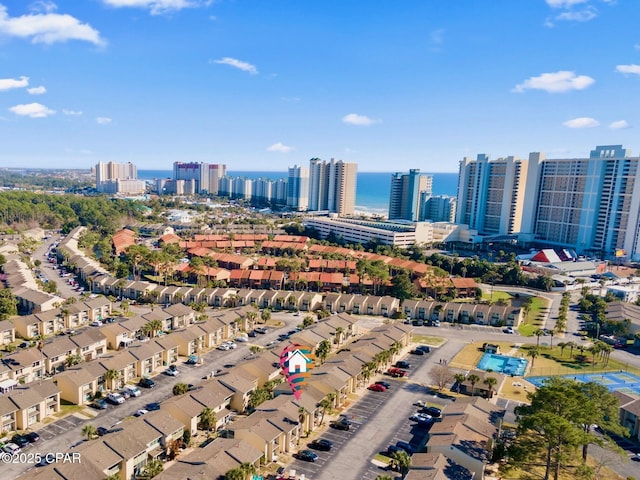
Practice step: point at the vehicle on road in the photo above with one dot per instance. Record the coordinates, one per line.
(321, 444)
(402, 364)
(307, 455)
(509, 330)
(152, 407)
(146, 383)
(376, 387)
(140, 412)
(115, 398)
(102, 431)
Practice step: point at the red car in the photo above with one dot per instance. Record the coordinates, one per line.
(397, 372)
(376, 387)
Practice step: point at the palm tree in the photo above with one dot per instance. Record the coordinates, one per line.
(538, 333)
(552, 332)
(571, 346)
(326, 403)
(234, 474)
(533, 353)
(395, 348)
(338, 335)
(401, 460)
(111, 376)
(473, 379)
(152, 468)
(73, 359)
(89, 431)
(248, 469)
(490, 382)
(180, 388)
(302, 415)
(207, 419)
(322, 350)
(152, 327)
(562, 346)
(459, 378)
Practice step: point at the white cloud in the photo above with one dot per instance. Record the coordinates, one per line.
(33, 110)
(37, 90)
(43, 7)
(556, 82)
(47, 28)
(581, 122)
(360, 120)
(156, 7)
(633, 69)
(619, 125)
(9, 83)
(436, 40)
(584, 15)
(233, 62)
(72, 113)
(103, 120)
(564, 3)
(280, 148)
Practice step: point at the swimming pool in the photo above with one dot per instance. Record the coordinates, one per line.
(624, 382)
(503, 364)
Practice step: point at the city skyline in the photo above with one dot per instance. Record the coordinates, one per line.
(413, 85)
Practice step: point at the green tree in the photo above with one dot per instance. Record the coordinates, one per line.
(73, 359)
(473, 379)
(90, 431)
(180, 388)
(152, 327)
(459, 378)
(401, 461)
(325, 404)
(152, 468)
(533, 352)
(8, 304)
(235, 474)
(402, 287)
(207, 419)
(538, 333)
(111, 376)
(323, 349)
(490, 382)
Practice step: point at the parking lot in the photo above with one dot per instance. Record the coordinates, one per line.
(63, 425)
(364, 409)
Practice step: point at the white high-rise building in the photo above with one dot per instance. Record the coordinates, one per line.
(298, 188)
(408, 194)
(206, 176)
(121, 178)
(332, 186)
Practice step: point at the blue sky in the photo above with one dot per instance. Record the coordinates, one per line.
(266, 84)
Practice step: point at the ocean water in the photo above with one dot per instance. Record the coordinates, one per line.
(372, 188)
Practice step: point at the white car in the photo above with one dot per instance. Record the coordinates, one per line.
(242, 339)
(172, 371)
(232, 345)
(509, 330)
(133, 390)
(115, 398)
(223, 346)
(96, 323)
(141, 412)
(11, 448)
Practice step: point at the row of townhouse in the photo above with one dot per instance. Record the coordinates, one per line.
(463, 312)
(19, 277)
(274, 428)
(137, 359)
(22, 406)
(68, 317)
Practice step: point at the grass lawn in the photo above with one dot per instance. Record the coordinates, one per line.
(427, 340)
(533, 320)
(497, 295)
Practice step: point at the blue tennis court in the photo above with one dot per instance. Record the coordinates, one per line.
(624, 382)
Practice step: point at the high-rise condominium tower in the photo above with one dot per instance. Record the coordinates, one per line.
(332, 186)
(408, 194)
(298, 188)
(206, 175)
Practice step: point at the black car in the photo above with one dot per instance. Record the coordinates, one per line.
(307, 456)
(321, 444)
(342, 424)
(99, 403)
(417, 352)
(20, 440)
(102, 431)
(424, 348)
(146, 383)
(152, 406)
(433, 411)
(386, 385)
(406, 447)
(32, 437)
(402, 364)
(252, 333)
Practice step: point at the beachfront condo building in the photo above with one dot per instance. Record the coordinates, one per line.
(118, 178)
(408, 194)
(332, 186)
(205, 175)
(298, 188)
(589, 204)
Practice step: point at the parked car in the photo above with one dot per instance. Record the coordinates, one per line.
(132, 390)
(261, 330)
(421, 418)
(99, 404)
(115, 398)
(20, 440)
(321, 444)
(152, 407)
(252, 333)
(307, 455)
(386, 385)
(146, 383)
(417, 352)
(140, 412)
(341, 424)
(509, 330)
(232, 345)
(102, 431)
(424, 348)
(11, 448)
(406, 447)
(376, 387)
(96, 323)
(32, 437)
(435, 412)
(223, 346)
(172, 371)
(242, 338)
(397, 372)
(402, 364)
